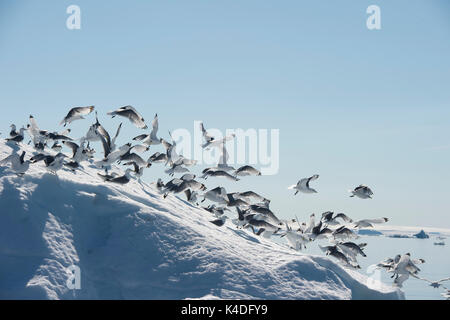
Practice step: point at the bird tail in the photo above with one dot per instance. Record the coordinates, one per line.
(292, 187)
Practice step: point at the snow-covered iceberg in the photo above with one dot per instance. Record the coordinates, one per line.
(130, 243)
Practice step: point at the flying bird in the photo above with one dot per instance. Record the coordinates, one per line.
(131, 114)
(247, 171)
(368, 223)
(303, 185)
(362, 192)
(76, 114)
(150, 139)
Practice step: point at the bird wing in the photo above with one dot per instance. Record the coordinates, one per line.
(136, 167)
(303, 183)
(314, 177)
(155, 126)
(81, 111)
(117, 133)
(71, 145)
(136, 118)
(343, 217)
(206, 135)
(105, 144)
(140, 137)
(417, 261)
(34, 126)
(102, 131)
(327, 215)
(136, 158)
(131, 113)
(166, 144)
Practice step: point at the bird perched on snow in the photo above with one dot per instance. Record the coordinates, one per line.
(131, 114)
(121, 179)
(220, 221)
(18, 164)
(76, 114)
(38, 136)
(105, 177)
(362, 192)
(13, 131)
(303, 185)
(52, 163)
(18, 137)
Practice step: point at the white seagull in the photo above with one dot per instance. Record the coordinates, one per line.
(132, 115)
(76, 114)
(150, 139)
(18, 164)
(247, 171)
(362, 192)
(218, 195)
(303, 185)
(368, 223)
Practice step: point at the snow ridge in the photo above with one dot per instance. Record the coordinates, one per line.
(130, 243)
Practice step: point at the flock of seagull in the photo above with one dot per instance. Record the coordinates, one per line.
(252, 210)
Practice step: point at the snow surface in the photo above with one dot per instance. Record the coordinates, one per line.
(130, 243)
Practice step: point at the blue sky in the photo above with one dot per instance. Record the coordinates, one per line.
(353, 105)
